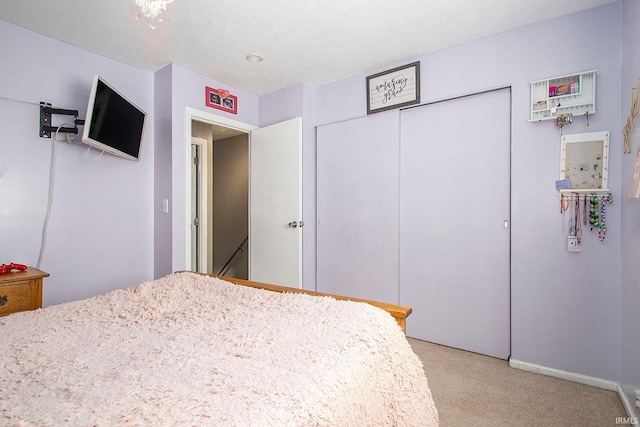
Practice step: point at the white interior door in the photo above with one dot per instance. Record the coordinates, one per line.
(275, 205)
(454, 213)
(357, 206)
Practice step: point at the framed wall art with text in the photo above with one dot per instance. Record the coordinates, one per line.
(393, 88)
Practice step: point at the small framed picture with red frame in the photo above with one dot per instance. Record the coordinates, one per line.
(221, 99)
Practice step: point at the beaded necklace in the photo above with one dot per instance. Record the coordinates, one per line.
(594, 218)
(602, 232)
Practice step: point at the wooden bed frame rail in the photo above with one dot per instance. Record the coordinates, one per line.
(399, 312)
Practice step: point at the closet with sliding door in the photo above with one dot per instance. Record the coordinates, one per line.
(413, 208)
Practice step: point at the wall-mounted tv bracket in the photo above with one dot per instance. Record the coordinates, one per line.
(46, 111)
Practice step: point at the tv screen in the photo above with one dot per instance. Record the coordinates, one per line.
(113, 124)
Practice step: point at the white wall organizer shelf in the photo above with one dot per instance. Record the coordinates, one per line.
(573, 94)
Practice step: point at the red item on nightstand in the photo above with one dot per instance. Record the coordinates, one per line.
(5, 268)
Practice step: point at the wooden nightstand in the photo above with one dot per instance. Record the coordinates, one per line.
(21, 290)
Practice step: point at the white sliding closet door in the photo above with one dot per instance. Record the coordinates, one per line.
(454, 230)
(357, 207)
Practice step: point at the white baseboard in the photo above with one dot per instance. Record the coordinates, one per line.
(629, 405)
(571, 376)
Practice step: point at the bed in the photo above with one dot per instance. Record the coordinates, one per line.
(189, 349)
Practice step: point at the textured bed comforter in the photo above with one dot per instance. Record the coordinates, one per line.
(193, 350)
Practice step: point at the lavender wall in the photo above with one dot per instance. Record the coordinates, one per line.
(565, 306)
(630, 289)
(101, 228)
(162, 173)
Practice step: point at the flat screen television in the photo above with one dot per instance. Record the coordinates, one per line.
(113, 124)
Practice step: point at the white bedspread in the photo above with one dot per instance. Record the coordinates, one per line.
(192, 350)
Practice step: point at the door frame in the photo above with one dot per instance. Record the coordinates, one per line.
(193, 114)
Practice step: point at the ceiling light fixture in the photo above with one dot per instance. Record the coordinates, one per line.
(254, 58)
(152, 10)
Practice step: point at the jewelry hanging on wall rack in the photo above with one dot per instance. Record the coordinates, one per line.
(602, 232)
(585, 209)
(564, 206)
(577, 227)
(594, 217)
(562, 120)
(564, 203)
(569, 196)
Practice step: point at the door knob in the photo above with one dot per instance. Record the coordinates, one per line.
(293, 224)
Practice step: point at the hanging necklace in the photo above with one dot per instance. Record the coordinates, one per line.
(564, 206)
(602, 232)
(594, 220)
(577, 227)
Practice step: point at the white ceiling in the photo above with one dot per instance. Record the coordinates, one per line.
(302, 41)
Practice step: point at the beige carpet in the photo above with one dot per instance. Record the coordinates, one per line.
(474, 390)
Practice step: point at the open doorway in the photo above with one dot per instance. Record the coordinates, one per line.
(274, 199)
(220, 213)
